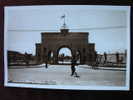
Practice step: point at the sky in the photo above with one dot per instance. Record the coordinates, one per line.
(107, 26)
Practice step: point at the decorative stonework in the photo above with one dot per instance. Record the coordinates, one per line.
(75, 41)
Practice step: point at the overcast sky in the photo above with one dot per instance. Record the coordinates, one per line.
(24, 25)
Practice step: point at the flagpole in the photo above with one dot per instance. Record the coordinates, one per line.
(64, 24)
(64, 21)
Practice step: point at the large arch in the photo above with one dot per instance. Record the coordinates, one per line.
(75, 41)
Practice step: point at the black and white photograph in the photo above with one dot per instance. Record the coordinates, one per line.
(76, 47)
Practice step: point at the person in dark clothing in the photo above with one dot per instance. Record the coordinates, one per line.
(73, 69)
(117, 58)
(105, 58)
(46, 63)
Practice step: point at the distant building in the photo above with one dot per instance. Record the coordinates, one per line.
(113, 58)
(15, 57)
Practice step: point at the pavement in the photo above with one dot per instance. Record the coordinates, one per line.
(61, 75)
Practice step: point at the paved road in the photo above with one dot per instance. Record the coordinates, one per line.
(60, 75)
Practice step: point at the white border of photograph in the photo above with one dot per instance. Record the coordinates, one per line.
(126, 87)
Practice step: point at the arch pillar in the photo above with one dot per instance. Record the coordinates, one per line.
(73, 52)
(55, 55)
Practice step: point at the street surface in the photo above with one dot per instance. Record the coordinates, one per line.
(61, 75)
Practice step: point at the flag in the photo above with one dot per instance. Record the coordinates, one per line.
(63, 16)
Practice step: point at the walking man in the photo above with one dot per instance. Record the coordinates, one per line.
(46, 63)
(105, 58)
(73, 69)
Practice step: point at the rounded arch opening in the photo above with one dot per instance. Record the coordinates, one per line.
(64, 55)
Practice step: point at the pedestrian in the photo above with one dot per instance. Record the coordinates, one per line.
(105, 58)
(117, 58)
(73, 69)
(46, 63)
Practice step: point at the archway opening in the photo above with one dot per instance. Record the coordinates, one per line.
(64, 55)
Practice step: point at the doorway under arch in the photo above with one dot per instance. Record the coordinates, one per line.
(64, 55)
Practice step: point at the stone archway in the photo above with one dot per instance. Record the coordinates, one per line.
(75, 41)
